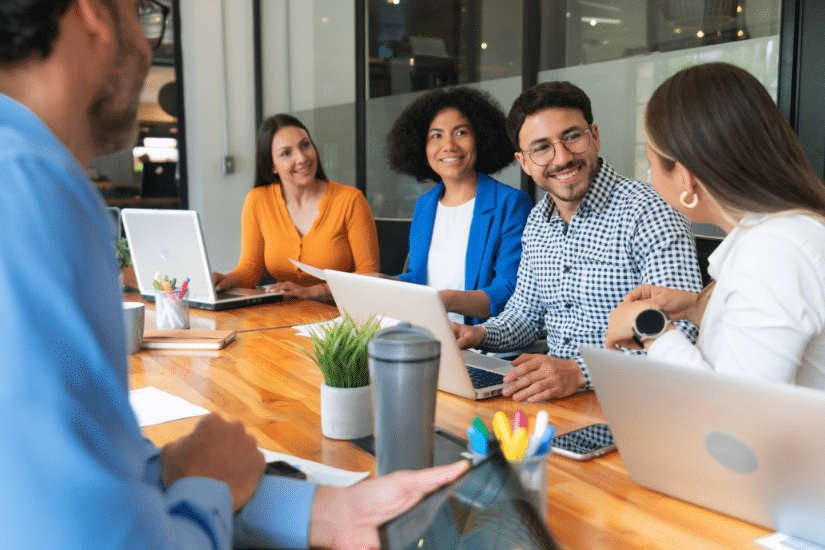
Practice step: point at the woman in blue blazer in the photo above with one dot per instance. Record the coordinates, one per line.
(456, 137)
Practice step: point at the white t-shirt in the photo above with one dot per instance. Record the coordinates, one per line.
(448, 248)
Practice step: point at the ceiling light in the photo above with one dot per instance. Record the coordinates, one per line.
(700, 34)
(484, 45)
(604, 20)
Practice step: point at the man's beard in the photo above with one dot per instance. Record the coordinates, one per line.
(113, 112)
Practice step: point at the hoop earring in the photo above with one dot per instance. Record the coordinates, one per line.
(692, 204)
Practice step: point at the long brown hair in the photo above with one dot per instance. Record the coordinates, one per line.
(721, 124)
(264, 167)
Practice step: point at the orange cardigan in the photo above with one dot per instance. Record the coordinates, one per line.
(342, 237)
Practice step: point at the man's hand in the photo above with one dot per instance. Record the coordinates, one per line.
(349, 517)
(469, 336)
(219, 450)
(541, 377)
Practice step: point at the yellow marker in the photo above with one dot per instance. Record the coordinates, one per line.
(518, 444)
(501, 427)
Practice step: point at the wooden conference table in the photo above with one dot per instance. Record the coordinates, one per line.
(262, 380)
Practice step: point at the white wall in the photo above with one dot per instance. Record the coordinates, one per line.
(217, 197)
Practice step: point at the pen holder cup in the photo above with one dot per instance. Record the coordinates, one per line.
(172, 309)
(532, 473)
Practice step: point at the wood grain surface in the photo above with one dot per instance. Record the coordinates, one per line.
(264, 381)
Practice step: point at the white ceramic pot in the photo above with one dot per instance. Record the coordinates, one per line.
(346, 413)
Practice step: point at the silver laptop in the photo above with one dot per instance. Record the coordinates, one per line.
(748, 449)
(171, 242)
(461, 372)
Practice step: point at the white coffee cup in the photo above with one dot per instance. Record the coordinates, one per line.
(133, 313)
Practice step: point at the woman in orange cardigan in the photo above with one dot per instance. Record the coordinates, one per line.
(295, 212)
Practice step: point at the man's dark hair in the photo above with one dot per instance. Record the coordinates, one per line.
(544, 96)
(407, 140)
(30, 27)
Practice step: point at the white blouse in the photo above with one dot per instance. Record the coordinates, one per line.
(766, 316)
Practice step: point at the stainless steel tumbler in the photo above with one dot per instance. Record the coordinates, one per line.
(403, 363)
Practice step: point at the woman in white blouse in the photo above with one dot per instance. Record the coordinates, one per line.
(721, 153)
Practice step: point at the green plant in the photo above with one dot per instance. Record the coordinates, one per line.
(341, 353)
(124, 257)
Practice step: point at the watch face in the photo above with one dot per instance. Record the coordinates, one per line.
(650, 322)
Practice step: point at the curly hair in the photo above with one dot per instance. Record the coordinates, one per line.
(264, 166)
(407, 140)
(29, 27)
(543, 96)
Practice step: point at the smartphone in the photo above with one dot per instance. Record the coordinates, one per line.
(284, 469)
(585, 443)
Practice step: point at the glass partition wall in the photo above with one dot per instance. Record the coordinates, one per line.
(618, 51)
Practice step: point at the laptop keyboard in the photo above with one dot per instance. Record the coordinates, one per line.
(484, 378)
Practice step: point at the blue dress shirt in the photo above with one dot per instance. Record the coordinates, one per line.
(571, 277)
(494, 247)
(75, 470)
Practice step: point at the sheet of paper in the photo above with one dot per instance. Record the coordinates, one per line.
(314, 271)
(317, 328)
(318, 473)
(779, 541)
(153, 406)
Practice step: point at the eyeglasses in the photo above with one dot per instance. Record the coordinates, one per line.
(152, 16)
(544, 152)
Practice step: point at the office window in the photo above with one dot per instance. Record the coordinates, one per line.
(417, 45)
(619, 51)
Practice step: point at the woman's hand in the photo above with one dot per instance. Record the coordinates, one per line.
(319, 292)
(620, 327)
(678, 304)
(224, 281)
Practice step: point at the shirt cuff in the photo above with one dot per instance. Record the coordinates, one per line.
(277, 515)
(205, 503)
(588, 385)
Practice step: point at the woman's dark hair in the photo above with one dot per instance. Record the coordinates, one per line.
(721, 124)
(264, 167)
(407, 140)
(30, 27)
(544, 96)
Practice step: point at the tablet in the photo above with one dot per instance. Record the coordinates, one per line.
(485, 509)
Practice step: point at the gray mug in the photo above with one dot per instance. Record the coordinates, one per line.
(403, 363)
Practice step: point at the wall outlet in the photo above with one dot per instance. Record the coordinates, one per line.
(228, 165)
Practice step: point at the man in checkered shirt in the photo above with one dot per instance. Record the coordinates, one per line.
(593, 238)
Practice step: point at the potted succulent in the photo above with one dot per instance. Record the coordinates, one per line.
(124, 260)
(341, 355)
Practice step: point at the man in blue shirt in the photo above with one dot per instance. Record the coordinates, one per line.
(593, 238)
(75, 471)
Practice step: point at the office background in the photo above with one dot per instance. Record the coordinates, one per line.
(308, 49)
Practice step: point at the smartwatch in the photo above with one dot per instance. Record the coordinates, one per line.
(649, 325)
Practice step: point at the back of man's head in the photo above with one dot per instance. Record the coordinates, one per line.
(29, 28)
(544, 96)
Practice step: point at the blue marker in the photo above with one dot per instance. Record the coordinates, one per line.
(546, 440)
(477, 440)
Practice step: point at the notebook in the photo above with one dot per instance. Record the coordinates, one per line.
(187, 339)
(362, 296)
(171, 242)
(748, 449)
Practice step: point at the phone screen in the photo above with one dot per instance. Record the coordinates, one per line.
(585, 443)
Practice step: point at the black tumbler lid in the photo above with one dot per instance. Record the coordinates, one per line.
(404, 342)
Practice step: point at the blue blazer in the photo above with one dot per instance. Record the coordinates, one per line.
(494, 247)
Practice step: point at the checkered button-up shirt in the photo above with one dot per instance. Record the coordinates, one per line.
(571, 277)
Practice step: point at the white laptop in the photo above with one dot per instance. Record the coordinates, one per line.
(362, 296)
(171, 242)
(748, 449)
